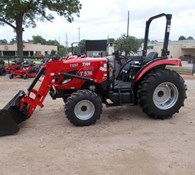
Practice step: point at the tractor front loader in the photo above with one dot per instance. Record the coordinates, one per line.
(85, 83)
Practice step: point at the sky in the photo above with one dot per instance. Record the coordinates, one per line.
(102, 19)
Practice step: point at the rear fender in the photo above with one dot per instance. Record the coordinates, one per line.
(147, 67)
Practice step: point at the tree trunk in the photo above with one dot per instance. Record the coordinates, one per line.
(19, 34)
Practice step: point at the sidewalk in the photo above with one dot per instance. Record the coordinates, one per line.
(188, 77)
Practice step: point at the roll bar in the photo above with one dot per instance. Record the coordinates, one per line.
(165, 51)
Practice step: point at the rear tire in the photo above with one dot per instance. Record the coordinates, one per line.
(25, 76)
(162, 93)
(11, 76)
(1, 71)
(83, 108)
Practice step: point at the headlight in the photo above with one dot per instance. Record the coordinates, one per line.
(66, 81)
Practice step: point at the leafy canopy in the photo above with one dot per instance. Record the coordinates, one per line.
(184, 38)
(20, 14)
(127, 44)
(33, 10)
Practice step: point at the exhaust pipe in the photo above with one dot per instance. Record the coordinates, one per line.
(11, 115)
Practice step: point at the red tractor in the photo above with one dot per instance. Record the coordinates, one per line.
(14, 66)
(25, 70)
(86, 83)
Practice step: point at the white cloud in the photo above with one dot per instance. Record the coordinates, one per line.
(103, 18)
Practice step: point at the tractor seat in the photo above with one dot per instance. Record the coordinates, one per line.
(150, 56)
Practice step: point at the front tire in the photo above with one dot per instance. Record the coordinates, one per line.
(83, 108)
(162, 93)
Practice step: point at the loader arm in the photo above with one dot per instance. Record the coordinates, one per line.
(22, 105)
(35, 97)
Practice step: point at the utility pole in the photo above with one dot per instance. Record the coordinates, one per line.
(79, 34)
(127, 30)
(66, 43)
(79, 39)
(128, 24)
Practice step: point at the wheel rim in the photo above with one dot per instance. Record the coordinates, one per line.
(165, 95)
(84, 110)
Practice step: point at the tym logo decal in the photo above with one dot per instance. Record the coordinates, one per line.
(86, 64)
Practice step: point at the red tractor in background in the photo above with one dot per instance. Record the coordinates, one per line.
(86, 83)
(14, 65)
(27, 69)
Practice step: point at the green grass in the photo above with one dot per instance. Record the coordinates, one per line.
(180, 70)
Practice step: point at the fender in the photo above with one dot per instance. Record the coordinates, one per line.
(176, 62)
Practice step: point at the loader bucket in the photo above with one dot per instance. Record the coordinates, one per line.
(11, 115)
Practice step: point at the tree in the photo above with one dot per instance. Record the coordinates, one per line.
(20, 14)
(111, 41)
(182, 38)
(127, 44)
(62, 51)
(82, 47)
(3, 41)
(190, 38)
(53, 52)
(53, 42)
(38, 39)
(13, 40)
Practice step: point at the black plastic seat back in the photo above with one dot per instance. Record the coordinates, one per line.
(150, 56)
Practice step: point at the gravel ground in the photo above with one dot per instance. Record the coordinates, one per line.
(124, 141)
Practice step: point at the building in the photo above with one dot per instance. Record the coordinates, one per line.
(29, 49)
(184, 49)
(96, 48)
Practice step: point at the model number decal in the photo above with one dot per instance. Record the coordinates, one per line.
(86, 73)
